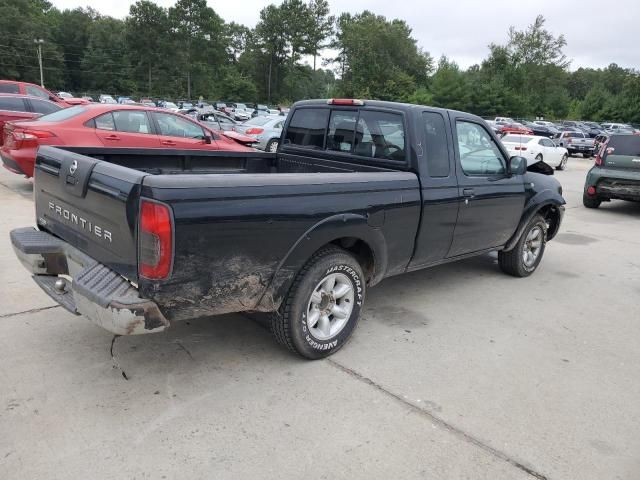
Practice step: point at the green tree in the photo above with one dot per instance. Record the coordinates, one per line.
(320, 27)
(378, 58)
(147, 40)
(199, 38)
(449, 86)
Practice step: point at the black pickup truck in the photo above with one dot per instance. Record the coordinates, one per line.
(358, 191)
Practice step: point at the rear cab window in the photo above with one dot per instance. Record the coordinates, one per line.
(370, 135)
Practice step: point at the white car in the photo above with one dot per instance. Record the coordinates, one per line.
(536, 149)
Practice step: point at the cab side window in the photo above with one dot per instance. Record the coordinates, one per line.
(479, 155)
(435, 148)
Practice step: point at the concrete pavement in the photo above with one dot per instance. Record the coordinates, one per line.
(454, 372)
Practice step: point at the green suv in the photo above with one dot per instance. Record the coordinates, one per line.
(616, 173)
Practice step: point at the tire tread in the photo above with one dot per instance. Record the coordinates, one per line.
(280, 324)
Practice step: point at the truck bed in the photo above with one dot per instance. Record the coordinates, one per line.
(243, 224)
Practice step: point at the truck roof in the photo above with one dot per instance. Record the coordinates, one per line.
(380, 104)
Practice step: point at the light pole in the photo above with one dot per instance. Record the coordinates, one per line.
(39, 42)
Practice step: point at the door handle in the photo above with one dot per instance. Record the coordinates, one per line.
(112, 137)
(468, 192)
(169, 143)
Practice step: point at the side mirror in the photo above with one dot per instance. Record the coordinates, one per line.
(517, 166)
(207, 139)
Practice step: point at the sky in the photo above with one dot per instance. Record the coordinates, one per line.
(462, 29)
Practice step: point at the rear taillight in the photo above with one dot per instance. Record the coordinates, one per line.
(520, 148)
(599, 161)
(26, 137)
(591, 191)
(254, 131)
(155, 240)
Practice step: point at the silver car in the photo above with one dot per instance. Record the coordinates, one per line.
(265, 129)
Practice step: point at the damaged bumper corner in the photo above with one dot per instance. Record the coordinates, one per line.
(85, 287)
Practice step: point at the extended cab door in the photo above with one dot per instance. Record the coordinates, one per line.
(439, 187)
(491, 202)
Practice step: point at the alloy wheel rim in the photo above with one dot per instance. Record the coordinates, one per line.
(273, 147)
(532, 246)
(330, 306)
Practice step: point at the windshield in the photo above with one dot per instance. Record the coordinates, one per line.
(63, 114)
(170, 105)
(574, 135)
(241, 106)
(516, 139)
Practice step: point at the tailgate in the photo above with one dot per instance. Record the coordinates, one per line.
(90, 204)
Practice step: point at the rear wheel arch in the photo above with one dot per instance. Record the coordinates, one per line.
(349, 232)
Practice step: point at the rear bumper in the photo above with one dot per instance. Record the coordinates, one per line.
(11, 165)
(19, 161)
(85, 287)
(610, 183)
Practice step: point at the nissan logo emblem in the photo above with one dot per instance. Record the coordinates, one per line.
(73, 167)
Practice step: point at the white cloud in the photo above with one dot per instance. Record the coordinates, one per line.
(596, 34)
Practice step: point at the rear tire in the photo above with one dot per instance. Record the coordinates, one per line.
(272, 146)
(563, 163)
(523, 259)
(590, 202)
(322, 308)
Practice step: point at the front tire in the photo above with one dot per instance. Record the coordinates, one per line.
(563, 162)
(322, 308)
(523, 259)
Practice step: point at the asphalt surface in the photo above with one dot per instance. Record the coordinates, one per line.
(454, 372)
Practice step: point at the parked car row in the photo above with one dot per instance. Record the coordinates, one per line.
(110, 125)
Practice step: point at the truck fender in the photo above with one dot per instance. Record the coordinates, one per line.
(320, 234)
(536, 203)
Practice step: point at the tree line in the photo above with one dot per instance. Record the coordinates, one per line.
(297, 50)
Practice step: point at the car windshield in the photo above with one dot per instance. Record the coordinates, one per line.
(241, 106)
(170, 105)
(516, 139)
(64, 114)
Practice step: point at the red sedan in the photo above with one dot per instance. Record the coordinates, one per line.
(106, 125)
(24, 88)
(516, 128)
(23, 107)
